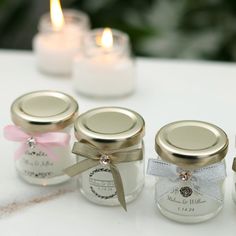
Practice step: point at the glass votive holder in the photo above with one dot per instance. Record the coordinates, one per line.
(42, 128)
(190, 170)
(105, 68)
(234, 180)
(110, 155)
(55, 47)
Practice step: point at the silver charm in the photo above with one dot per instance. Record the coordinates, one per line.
(31, 142)
(186, 191)
(104, 160)
(185, 175)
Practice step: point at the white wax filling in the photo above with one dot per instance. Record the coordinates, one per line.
(185, 204)
(58, 41)
(36, 167)
(105, 77)
(55, 51)
(37, 164)
(194, 205)
(100, 178)
(97, 183)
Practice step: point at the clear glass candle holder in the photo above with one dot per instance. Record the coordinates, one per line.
(108, 138)
(190, 170)
(105, 68)
(42, 130)
(55, 48)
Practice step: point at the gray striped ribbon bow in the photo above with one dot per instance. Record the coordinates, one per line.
(205, 180)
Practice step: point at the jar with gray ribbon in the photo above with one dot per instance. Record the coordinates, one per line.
(190, 170)
(109, 155)
(42, 128)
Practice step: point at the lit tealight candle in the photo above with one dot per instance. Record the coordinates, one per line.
(105, 68)
(106, 40)
(56, 15)
(59, 39)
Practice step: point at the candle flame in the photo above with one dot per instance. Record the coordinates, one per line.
(107, 38)
(56, 14)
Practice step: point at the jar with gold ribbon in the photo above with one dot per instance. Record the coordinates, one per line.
(42, 125)
(109, 155)
(190, 170)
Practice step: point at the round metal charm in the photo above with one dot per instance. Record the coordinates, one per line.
(186, 191)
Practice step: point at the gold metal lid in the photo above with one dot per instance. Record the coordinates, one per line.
(191, 144)
(44, 111)
(110, 128)
(234, 165)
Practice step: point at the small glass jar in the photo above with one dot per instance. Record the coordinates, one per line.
(234, 180)
(105, 68)
(55, 45)
(191, 170)
(43, 122)
(111, 131)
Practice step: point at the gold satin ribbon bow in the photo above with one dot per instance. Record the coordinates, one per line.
(94, 157)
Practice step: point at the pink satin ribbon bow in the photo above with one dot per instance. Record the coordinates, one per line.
(43, 141)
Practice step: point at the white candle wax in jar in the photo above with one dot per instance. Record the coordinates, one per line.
(105, 68)
(59, 39)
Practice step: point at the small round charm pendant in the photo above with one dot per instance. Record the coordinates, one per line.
(185, 175)
(31, 142)
(186, 191)
(104, 160)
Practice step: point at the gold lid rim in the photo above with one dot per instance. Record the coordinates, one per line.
(31, 123)
(189, 158)
(110, 141)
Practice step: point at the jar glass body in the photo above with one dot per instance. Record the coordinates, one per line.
(97, 184)
(35, 167)
(194, 208)
(234, 187)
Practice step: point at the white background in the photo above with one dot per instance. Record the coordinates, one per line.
(168, 90)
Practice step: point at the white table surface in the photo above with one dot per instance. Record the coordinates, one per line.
(168, 90)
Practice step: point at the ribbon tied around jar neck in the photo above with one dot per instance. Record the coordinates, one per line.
(94, 157)
(42, 141)
(205, 180)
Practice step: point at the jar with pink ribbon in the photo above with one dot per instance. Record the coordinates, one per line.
(190, 170)
(42, 125)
